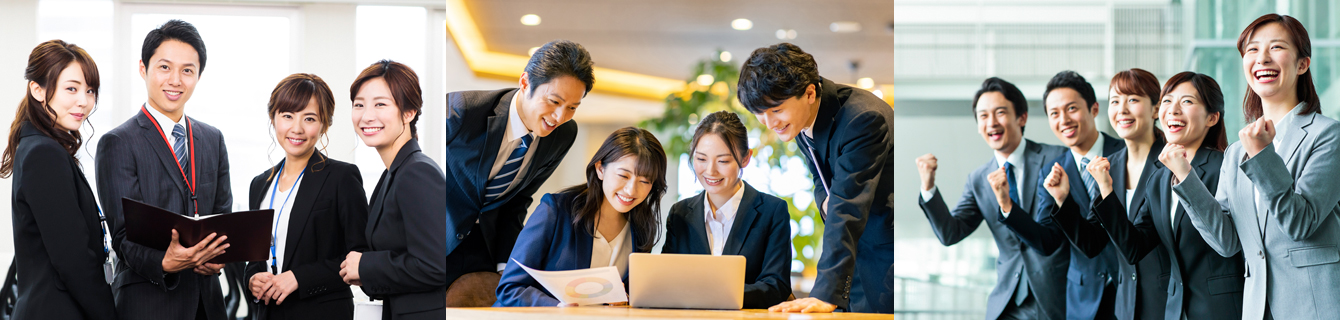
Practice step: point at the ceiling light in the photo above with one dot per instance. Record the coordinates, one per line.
(865, 83)
(532, 50)
(845, 27)
(706, 79)
(530, 20)
(725, 56)
(786, 34)
(742, 24)
(791, 33)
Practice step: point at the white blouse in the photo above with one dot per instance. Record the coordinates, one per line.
(279, 224)
(612, 253)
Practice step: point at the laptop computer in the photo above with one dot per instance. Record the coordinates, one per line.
(685, 281)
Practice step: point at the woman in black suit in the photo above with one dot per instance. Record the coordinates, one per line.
(60, 243)
(730, 217)
(320, 211)
(407, 223)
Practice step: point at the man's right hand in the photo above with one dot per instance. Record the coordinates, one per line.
(926, 165)
(1001, 187)
(178, 258)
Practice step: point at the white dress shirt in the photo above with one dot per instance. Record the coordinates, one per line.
(719, 222)
(614, 252)
(166, 124)
(279, 224)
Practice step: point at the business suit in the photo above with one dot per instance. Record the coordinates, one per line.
(405, 265)
(761, 233)
(482, 233)
(328, 219)
(1290, 241)
(1200, 283)
(853, 156)
(1046, 272)
(1087, 278)
(1146, 294)
(58, 245)
(549, 242)
(134, 161)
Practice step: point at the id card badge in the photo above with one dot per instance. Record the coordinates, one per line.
(109, 268)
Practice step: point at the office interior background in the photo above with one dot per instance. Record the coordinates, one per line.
(648, 51)
(946, 48)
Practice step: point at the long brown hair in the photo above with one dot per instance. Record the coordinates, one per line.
(404, 85)
(1213, 100)
(293, 94)
(1307, 90)
(45, 64)
(645, 217)
(1139, 82)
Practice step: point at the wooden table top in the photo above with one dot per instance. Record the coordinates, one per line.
(601, 312)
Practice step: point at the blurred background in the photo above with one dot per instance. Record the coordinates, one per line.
(661, 64)
(946, 48)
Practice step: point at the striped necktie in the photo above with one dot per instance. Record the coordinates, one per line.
(808, 144)
(499, 183)
(1089, 184)
(179, 148)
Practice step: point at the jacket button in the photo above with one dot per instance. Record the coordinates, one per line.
(1261, 254)
(1132, 277)
(460, 236)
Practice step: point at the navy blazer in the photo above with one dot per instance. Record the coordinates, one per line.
(327, 220)
(1046, 271)
(853, 154)
(133, 161)
(58, 248)
(1202, 284)
(761, 233)
(1146, 295)
(1087, 276)
(476, 122)
(405, 265)
(549, 242)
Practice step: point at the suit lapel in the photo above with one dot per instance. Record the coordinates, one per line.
(698, 228)
(1033, 167)
(1117, 173)
(313, 181)
(1077, 188)
(163, 152)
(744, 220)
(823, 124)
(496, 129)
(1160, 185)
(1294, 136)
(375, 206)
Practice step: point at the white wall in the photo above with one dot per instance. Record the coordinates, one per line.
(18, 19)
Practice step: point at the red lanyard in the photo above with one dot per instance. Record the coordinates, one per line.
(190, 142)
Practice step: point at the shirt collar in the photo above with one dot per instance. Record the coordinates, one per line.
(1015, 158)
(515, 128)
(1094, 152)
(1283, 124)
(727, 210)
(163, 120)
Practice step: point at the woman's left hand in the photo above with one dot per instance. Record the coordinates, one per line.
(281, 286)
(349, 268)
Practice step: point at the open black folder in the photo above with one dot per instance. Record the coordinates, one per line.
(247, 231)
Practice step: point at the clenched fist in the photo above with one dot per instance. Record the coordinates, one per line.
(1257, 135)
(1000, 185)
(1174, 157)
(1098, 169)
(926, 165)
(1057, 184)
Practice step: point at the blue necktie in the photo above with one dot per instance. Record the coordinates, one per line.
(499, 183)
(808, 143)
(179, 148)
(1009, 177)
(1089, 183)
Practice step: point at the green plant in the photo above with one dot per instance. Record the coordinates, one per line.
(683, 110)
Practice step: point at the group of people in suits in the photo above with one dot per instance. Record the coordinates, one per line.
(1163, 223)
(398, 245)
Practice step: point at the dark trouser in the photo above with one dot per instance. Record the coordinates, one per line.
(472, 255)
(1107, 308)
(1029, 309)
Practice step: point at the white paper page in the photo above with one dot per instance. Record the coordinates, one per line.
(582, 286)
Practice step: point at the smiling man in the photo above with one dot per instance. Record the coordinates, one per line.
(501, 146)
(172, 161)
(845, 135)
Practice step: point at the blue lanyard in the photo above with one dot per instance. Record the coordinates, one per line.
(106, 242)
(280, 213)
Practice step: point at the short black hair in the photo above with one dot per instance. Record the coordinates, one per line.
(1011, 93)
(1072, 80)
(173, 30)
(776, 73)
(560, 58)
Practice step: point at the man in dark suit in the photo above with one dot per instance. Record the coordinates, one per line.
(501, 146)
(166, 159)
(1030, 283)
(1092, 282)
(846, 137)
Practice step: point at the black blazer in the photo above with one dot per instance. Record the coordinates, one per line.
(853, 142)
(57, 235)
(328, 219)
(134, 162)
(761, 233)
(406, 262)
(1147, 299)
(1203, 284)
(476, 122)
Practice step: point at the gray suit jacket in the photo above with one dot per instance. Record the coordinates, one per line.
(1291, 241)
(1046, 272)
(133, 161)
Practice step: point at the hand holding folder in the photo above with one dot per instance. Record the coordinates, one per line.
(247, 237)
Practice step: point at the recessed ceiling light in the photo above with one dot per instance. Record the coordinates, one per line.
(865, 83)
(532, 50)
(706, 79)
(786, 34)
(790, 33)
(725, 56)
(742, 24)
(845, 27)
(530, 20)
